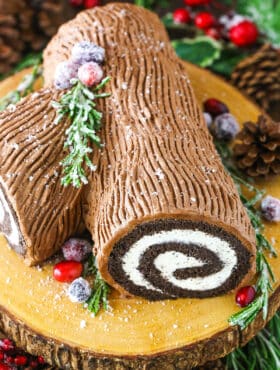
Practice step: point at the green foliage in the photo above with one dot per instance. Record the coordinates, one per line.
(24, 88)
(266, 14)
(265, 275)
(228, 60)
(29, 60)
(201, 50)
(261, 353)
(150, 4)
(100, 292)
(79, 105)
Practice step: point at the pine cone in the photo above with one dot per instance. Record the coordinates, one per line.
(259, 76)
(27, 25)
(258, 152)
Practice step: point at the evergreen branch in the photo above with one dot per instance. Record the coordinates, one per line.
(265, 275)
(79, 105)
(99, 296)
(261, 353)
(24, 88)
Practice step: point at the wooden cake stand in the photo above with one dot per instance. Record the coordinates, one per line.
(135, 334)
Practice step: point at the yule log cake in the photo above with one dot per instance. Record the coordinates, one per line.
(165, 217)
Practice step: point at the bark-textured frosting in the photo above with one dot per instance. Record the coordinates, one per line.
(38, 213)
(158, 166)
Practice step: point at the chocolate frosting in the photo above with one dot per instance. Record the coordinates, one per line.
(45, 212)
(158, 160)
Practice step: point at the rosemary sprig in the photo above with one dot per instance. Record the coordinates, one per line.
(261, 353)
(100, 292)
(79, 105)
(265, 275)
(24, 88)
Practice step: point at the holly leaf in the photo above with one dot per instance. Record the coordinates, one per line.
(228, 60)
(201, 50)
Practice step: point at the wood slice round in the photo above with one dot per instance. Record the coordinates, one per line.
(135, 334)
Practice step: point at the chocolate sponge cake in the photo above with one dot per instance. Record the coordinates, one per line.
(166, 218)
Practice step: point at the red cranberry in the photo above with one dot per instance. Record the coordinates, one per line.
(244, 33)
(1, 356)
(213, 33)
(245, 296)
(67, 271)
(21, 360)
(181, 15)
(197, 2)
(33, 364)
(215, 107)
(5, 367)
(204, 20)
(76, 2)
(41, 360)
(91, 3)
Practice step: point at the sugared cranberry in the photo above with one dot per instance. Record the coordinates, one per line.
(204, 20)
(215, 107)
(67, 271)
(9, 360)
(91, 3)
(196, 2)
(86, 51)
(79, 290)
(270, 208)
(245, 296)
(207, 118)
(90, 74)
(6, 344)
(64, 73)
(20, 360)
(76, 249)
(213, 33)
(225, 127)
(181, 15)
(244, 33)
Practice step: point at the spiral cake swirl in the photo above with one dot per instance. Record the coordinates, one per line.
(170, 259)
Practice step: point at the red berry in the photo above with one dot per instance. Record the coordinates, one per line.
(6, 344)
(244, 33)
(91, 3)
(21, 360)
(41, 360)
(181, 15)
(197, 2)
(34, 364)
(67, 271)
(1, 355)
(213, 32)
(215, 107)
(245, 296)
(204, 20)
(76, 2)
(5, 367)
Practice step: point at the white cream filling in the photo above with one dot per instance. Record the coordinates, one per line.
(13, 236)
(168, 262)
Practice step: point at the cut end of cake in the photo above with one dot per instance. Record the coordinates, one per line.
(172, 258)
(9, 225)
